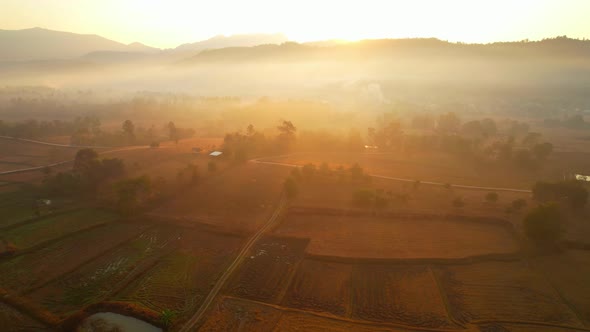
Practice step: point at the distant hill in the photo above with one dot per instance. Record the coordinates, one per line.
(234, 41)
(37, 44)
(560, 47)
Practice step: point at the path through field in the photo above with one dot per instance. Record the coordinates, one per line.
(191, 323)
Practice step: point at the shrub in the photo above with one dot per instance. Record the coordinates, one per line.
(308, 170)
(458, 202)
(212, 166)
(571, 191)
(291, 188)
(363, 197)
(518, 204)
(167, 316)
(492, 197)
(543, 225)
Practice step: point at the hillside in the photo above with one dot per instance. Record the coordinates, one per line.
(37, 44)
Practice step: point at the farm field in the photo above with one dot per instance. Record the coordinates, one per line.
(29, 271)
(404, 196)
(321, 286)
(182, 278)
(569, 273)
(404, 294)
(503, 292)
(401, 238)
(238, 315)
(53, 227)
(96, 280)
(265, 275)
(14, 321)
(419, 166)
(239, 198)
(17, 155)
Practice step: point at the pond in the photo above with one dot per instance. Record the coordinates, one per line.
(109, 321)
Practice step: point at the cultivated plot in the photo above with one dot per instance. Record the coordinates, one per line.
(402, 238)
(503, 292)
(407, 295)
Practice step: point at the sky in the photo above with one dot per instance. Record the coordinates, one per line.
(169, 23)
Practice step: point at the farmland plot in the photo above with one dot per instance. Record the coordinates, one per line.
(503, 292)
(321, 286)
(53, 227)
(371, 237)
(239, 315)
(570, 274)
(297, 321)
(266, 273)
(13, 321)
(402, 294)
(34, 269)
(182, 279)
(94, 281)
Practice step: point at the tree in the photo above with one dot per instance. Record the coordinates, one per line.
(308, 170)
(212, 166)
(492, 197)
(325, 169)
(84, 160)
(518, 204)
(448, 122)
(356, 172)
(542, 150)
(167, 316)
(363, 197)
(291, 188)
(132, 194)
(286, 134)
(543, 225)
(129, 130)
(570, 191)
(173, 132)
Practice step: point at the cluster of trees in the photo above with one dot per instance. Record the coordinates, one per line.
(240, 146)
(88, 130)
(571, 193)
(575, 121)
(88, 174)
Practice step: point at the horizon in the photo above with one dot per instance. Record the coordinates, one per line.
(167, 25)
(288, 39)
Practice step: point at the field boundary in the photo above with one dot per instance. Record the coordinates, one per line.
(510, 257)
(28, 308)
(87, 261)
(35, 219)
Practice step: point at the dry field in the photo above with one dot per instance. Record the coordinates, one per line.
(569, 273)
(95, 280)
(32, 270)
(404, 294)
(265, 275)
(53, 227)
(238, 315)
(321, 286)
(14, 321)
(403, 196)
(238, 198)
(17, 155)
(182, 278)
(503, 292)
(375, 237)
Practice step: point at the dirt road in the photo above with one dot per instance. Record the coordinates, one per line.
(192, 322)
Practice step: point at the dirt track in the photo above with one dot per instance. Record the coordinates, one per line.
(191, 323)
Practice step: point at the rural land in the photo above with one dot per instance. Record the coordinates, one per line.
(426, 196)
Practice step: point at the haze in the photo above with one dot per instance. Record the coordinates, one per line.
(342, 166)
(167, 24)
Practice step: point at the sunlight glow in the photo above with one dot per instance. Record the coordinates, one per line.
(170, 23)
